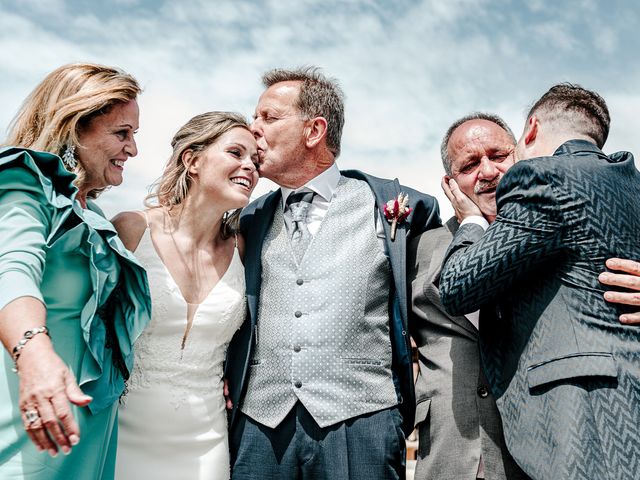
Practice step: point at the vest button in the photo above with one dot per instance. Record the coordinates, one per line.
(483, 392)
(298, 384)
(297, 348)
(298, 314)
(299, 281)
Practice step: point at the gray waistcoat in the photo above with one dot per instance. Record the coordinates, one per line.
(323, 325)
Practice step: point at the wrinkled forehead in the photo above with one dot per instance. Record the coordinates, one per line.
(478, 136)
(280, 95)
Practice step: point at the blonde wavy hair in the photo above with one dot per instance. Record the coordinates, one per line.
(203, 130)
(65, 102)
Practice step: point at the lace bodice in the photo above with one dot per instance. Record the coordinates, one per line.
(160, 359)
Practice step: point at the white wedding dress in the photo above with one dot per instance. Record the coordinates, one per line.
(173, 423)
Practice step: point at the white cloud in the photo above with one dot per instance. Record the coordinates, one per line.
(409, 68)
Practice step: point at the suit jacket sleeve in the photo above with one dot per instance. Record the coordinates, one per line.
(526, 234)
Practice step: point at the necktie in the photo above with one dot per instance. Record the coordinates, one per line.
(299, 204)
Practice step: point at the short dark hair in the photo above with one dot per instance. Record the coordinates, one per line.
(320, 96)
(583, 110)
(444, 146)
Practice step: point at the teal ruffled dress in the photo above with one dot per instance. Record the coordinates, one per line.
(97, 301)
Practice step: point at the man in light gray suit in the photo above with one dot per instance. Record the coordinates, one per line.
(460, 433)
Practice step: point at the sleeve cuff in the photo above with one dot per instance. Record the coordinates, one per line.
(15, 284)
(477, 220)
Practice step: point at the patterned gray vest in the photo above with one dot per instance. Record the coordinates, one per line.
(323, 326)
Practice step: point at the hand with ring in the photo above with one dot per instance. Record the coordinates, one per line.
(31, 416)
(47, 388)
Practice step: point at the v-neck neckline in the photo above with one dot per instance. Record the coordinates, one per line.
(173, 281)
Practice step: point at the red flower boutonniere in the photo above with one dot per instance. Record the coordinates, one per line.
(396, 211)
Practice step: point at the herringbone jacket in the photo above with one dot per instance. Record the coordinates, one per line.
(564, 371)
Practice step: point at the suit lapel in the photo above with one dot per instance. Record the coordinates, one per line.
(261, 221)
(397, 248)
(452, 225)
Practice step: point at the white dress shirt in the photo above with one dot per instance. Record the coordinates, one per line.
(476, 219)
(324, 185)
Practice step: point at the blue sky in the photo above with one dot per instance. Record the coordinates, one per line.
(409, 68)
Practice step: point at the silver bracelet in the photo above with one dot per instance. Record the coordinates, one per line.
(28, 335)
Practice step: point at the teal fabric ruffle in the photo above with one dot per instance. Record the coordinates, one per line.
(120, 306)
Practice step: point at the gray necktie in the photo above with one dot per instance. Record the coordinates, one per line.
(299, 204)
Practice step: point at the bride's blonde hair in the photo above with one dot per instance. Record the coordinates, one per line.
(203, 130)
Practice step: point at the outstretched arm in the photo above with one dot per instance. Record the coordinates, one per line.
(47, 386)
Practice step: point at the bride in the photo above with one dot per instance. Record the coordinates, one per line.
(173, 420)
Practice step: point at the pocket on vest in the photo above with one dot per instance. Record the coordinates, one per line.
(576, 365)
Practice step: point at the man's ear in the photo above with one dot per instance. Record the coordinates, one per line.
(315, 131)
(190, 161)
(532, 130)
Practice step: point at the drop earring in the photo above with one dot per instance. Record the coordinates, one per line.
(68, 157)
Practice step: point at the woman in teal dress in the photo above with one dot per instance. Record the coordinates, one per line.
(73, 300)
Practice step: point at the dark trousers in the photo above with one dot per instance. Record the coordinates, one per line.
(368, 447)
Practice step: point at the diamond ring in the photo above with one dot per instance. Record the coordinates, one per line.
(31, 416)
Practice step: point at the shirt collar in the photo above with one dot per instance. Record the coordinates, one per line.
(324, 184)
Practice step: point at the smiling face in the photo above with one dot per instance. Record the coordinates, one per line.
(481, 152)
(278, 127)
(226, 169)
(105, 145)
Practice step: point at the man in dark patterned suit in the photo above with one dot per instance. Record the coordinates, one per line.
(565, 372)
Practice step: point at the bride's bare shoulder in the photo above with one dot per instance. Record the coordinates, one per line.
(130, 227)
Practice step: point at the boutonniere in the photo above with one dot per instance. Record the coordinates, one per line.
(396, 211)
